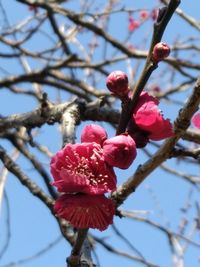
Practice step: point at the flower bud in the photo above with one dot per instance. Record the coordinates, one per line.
(144, 14)
(119, 151)
(196, 120)
(154, 14)
(93, 133)
(160, 51)
(117, 83)
(133, 24)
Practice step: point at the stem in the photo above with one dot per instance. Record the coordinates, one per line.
(74, 258)
(164, 17)
(180, 126)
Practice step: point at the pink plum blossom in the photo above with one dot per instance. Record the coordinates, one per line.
(144, 14)
(119, 151)
(85, 211)
(149, 118)
(160, 51)
(196, 120)
(133, 24)
(82, 168)
(117, 83)
(93, 133)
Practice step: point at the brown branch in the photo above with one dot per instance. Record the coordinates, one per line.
(70, 119)
(181, 124)
(36, 255)
(192, 135)
(37, 165)
(81, 251)
(34, 118)
(195, 153)
(35, 76)
(116, 251)
(168, 232)
(24, 179)
(150, 66)
(88, 89)
(76, 259)
(194, 180)
(36, 191)
(57, 31)
(187, 18)
(54, 114)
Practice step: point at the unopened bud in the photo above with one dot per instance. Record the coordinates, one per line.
(160, 51)
(119, 151)
(93, 133)
(117, 83)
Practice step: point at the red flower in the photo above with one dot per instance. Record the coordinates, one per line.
(196, 120)
(85, 211)
(93, 133)
(149, 118)
(144, 14)
(82, 168)
(117, 83)
(133, 24)
(119, 151)
(160, 51)
(154, 14)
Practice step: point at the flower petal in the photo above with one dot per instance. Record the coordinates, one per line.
(85, 211)
(149, 118)
(196, 120)
(93, 133)
(120, 151)
(82, 168)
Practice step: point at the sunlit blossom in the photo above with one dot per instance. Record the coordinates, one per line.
(82, 168)
(86, 211)
(149, 118)
(196, 120)
(120, 151)
(93, 133)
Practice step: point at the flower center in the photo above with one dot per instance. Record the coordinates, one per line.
(87, 168)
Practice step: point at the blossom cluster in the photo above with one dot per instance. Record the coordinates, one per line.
(84, 172)
(133, 23)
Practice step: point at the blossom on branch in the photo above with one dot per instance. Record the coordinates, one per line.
(154, 14)
(93, 133)
(196, 120)
(133, 24)
(86, 211)
(120, 151)
(160, 51)
(148, 118)
(82, 168)
(144, 14)
(117, 84)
